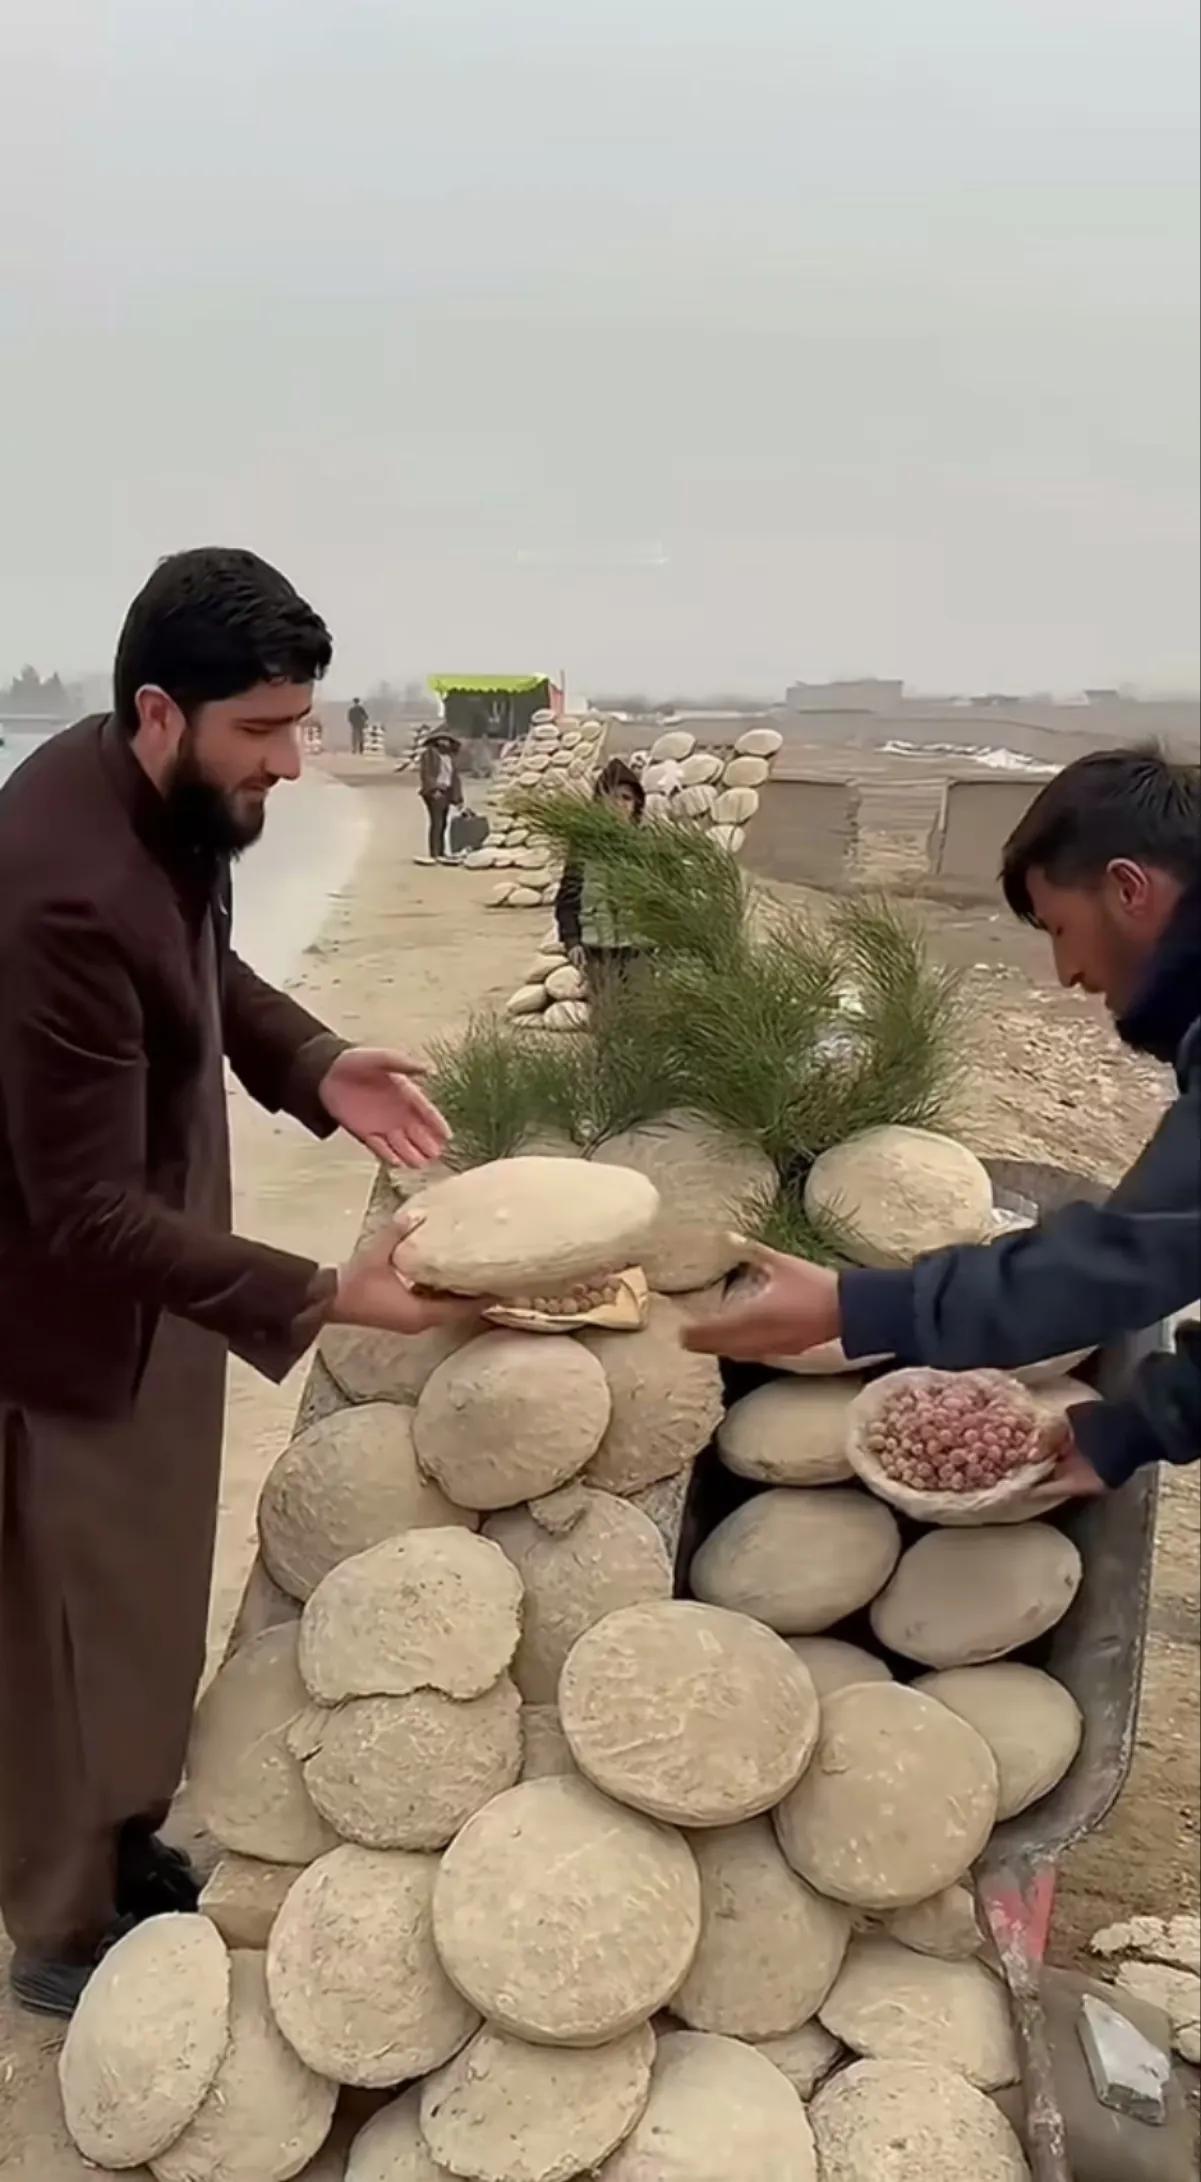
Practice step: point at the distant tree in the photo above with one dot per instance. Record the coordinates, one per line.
(28, 693)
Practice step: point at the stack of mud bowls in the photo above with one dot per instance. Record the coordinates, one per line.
(534, 1869)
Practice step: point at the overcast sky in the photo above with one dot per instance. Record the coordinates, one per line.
(676, 342)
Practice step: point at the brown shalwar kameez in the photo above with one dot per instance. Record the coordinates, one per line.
(121, 1291)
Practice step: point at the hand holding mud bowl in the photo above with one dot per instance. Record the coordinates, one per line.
(373, 1289)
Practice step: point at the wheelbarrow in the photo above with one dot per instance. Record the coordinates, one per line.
(1096, 1652)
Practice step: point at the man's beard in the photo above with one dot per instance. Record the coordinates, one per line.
(204, 818)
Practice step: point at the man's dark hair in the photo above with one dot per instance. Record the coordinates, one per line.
(211, 623)
(1112, 804)
(617, 774)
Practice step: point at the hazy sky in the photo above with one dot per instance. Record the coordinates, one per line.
(676, 342)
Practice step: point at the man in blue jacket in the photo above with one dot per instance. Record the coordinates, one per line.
(1107, 862)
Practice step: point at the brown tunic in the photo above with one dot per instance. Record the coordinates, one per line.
(121, 1290)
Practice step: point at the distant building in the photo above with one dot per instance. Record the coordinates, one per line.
(868, 694)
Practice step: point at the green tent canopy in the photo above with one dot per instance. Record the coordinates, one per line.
(483, 685)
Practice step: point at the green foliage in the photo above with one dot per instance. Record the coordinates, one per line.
(792, 1033)
(681, 893)
(779, 1219)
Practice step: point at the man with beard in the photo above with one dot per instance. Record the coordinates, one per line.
(1106, 862)
(122, 1288)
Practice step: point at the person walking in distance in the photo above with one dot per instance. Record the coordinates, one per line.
(441, 788)
(122, 1286)
(593, 926)
(358, 722)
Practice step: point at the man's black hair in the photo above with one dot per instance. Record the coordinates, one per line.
(616, 775)
(211, 623)
(1113, 804)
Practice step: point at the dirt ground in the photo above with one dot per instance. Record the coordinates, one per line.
(408, 952)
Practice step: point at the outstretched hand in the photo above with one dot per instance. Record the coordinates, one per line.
(370, 1092)
(782, 1306)
(373, 1292)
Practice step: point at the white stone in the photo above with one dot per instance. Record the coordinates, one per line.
(370, 1366)
(759, 742)
(746, 772)
(701, 769)
(673, 747)
(243, 1897)
(527, 1000)
(805, 2056)
(946, 1925)
(730, 838)
(735, 806)
(566, 984)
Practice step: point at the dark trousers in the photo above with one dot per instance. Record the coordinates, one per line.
(608, 966)
(356, 741)
(438, 807)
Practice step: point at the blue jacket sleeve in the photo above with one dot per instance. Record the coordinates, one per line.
(1078, 1279)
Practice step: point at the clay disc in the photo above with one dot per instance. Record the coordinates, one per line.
(790, 1432)
(834, 1665)
(353, 1975)
(346, 1484)
(502, 2111)
(770, 1948)
(391, 2148)
(891, 2004)
(1030, 1722)
(718, 2112)
(146, 2041)
(696, 1716)
(528, 1226)
(510, 1417)
(266, 2114)
(611, 1556)
(893, 1808)
(248, 1787)
(407, 1772)
(962, 1597)
(800, 1561)
(565, 1919)
(666, 1402)
(433, 1609)
(890, 2121)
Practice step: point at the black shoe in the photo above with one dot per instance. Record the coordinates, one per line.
(55, 1988)
(152, 1879)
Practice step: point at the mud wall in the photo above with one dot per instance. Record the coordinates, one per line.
(805, 830)
(979, 816)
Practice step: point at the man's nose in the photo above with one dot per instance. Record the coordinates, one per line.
(286, 759)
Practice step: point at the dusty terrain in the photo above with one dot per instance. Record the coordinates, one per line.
(408, 952)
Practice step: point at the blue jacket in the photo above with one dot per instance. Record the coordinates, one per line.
(1090, 1272)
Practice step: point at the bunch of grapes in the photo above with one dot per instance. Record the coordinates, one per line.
(958, 1434)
